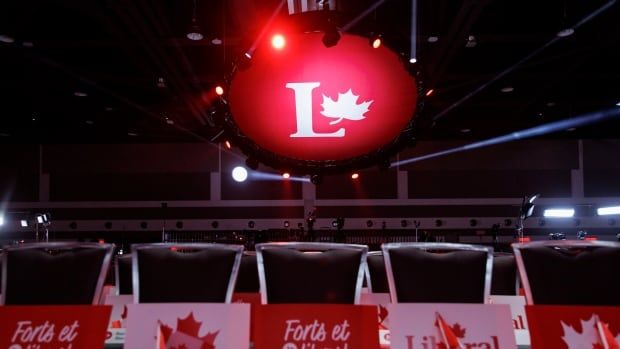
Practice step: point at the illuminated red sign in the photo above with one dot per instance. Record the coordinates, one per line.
(311, 103)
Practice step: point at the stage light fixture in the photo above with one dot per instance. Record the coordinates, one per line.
(195, 33)
(432, 39)
(559, 212)
(316, 179)
(278, 41)
(251, 163)
(557, 236)
(239, 174)
(375, 40)
(144, 225)
(369, 223)
(582, 235)
(438, 223)
(6, 39)
(24, 223)
(429, 92)
(219, 90)
(227, 144)
(471, 42)
(287, 224)
(251, 224)
(565, 32)
(605, 211)
(413, 60)
(40, 218)
(245, 61)
(215, 224)
(286, 175)
(473, 222)
(331, 36)
(355, 175)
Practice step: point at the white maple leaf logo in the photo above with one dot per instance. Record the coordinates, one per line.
(345, 107)
(587, 339)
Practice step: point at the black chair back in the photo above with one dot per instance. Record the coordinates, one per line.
(123, 274)
(504, 280)
(570, 272)
(438, 272)
(247, 280)
(311, 272)
(54, 273)
(189, 273)
(376, 273)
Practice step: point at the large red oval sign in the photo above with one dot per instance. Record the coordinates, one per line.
(311, 103)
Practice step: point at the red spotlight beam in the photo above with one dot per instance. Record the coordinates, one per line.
(265, 28)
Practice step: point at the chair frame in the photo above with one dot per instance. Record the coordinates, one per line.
(105, 265)
(135, 273)
(517, 281)
(517, 247)
(437, 246)
(310, 247)
(367, 271)
(117, 274)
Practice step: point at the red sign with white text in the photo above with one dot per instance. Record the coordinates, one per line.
(310, 326)
(53, 327)
(309, 102)
(573, 327)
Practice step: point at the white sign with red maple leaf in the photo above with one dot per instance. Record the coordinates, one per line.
(451, 326)
(594, 334)
(188, 326)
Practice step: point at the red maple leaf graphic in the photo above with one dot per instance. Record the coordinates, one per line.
(209, 339)
(189, 325)
(182, 346)
(166, 330)
(458, 330)
(383, 313)
(597, 346)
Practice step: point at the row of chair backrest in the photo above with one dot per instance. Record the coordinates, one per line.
(310, 272)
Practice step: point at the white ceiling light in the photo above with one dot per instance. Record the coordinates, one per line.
(216, 41)
(195, 33)
(565, 32)
(80, 94)
(6, 39)
(507, 89)
(604, 211)
(432, 39)
(559, 212)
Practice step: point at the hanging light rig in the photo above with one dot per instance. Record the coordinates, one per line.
(195, 33)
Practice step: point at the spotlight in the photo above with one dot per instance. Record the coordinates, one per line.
(252, 163)
(24, 223)
(316, 179)
(251, 224)
(413, 60)
(471, 42)
(1, 220)
(565, 32)
(355, 176)
(245, 61)
(432, 39)
(195, 33)
(227, 144)
(559, 212)
(286, 175)
(219, 90)
(369, 223)
(278, 42)
(429, 92)
(287, 224)
(331, 36)
(375, 40)
(40, 218)
(239, 174)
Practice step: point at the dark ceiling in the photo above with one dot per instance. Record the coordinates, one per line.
(88, 71)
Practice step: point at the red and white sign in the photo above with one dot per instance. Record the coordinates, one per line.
(315, 326)
(189, 326)
(309, 102)
(381, 301)
(574, 327)
(451, 326)
(519, 320)
(53, 327)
